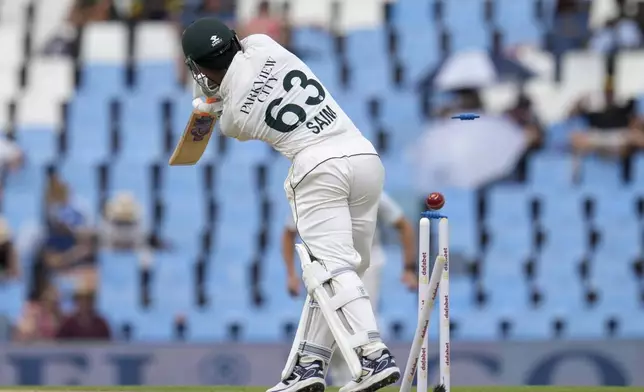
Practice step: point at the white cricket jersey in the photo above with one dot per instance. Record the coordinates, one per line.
(389, 213)
(271, 95)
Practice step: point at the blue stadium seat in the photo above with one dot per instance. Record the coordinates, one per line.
(102, 81)
(327, 71)
(183, 225)
(362, 80)
(153, 326)
(157, 79)
(183, 183)
(21, 208)
(83, 182)
(631, 327)
(41, 144)
(205, 326)
(638, 172)
(476, 324)
(550, 172)
(30, 178)
(509, 296)
(613, 206)
(277, 173)
(557, 268)
(602, 173)
(141, 126)
(173, 285)
(248, 153)
(312, 42)
(565, 208)
(365, 47)
(531, 324)
(13, 295)
(586, 324)
(616, 296)
(517, 22)
(396, 165)
(461, 293)
(89, 134)
(460, 207)
(508, 206)
(419, 50)
(412, 13)
(118, 298)
(133, 178)
(620, 240)
(401, 112)
(465, 22)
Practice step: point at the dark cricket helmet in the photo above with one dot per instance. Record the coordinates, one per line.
(208, 43)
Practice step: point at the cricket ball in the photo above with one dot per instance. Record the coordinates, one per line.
(435, 201)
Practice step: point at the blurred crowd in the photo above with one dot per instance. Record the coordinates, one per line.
(597, 122)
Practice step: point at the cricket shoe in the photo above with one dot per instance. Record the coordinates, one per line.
(304, 378)
(376, 374)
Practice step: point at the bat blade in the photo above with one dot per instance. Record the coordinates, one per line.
(194, 140)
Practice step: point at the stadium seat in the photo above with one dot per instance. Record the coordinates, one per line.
(601, 173)
(583, 71)
(133, 178)
(531, 324)
(586, 324)
(52, 77)
(550, 172)
(628, 81)
(13, 294)
(41, 142)
(103, 81)
(517, 21)
(477, 325)
(465, 23)
(83, 183)
(141, 123)
(11, 39)
(88, 135)
(104, 43)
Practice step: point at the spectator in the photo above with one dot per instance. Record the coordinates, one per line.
(9, 266)
(83, 11)
(265, 23)
(619, 32)
(84, 323)
(612, 125)
(123, 226)
(69, 245)
(523, 115)
(11, 156)
(41, 316)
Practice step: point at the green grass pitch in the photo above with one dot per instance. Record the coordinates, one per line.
(263, 389)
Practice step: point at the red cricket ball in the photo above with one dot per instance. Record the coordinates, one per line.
(435, 201)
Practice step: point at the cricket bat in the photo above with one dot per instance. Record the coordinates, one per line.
(195, 138)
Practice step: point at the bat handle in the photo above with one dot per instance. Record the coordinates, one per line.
(211, 100)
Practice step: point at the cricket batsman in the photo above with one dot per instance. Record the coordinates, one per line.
(390, 214)
(266, 93)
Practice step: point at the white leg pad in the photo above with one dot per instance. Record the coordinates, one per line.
(315, 276)
(299, 336)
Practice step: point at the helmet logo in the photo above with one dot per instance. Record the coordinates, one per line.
(214, 40)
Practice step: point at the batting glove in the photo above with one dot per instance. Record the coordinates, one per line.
(209, 106)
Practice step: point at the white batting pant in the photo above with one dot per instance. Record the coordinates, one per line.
(334, 200)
